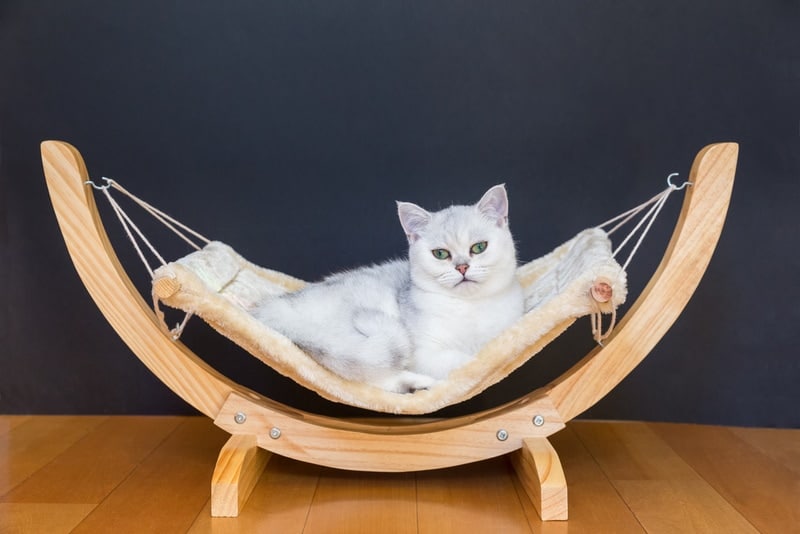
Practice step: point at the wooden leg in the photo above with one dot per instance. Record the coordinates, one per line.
(539, 470)
(238, 468)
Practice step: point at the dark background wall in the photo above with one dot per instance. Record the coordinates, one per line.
(288, 129)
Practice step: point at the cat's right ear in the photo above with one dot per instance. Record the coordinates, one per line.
(413, 219)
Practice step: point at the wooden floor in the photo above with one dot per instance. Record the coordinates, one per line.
(152, 474)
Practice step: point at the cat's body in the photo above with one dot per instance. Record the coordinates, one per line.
(404, 325)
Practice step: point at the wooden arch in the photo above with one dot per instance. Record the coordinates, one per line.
(258, 424)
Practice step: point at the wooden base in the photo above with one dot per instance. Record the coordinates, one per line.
(241, 462)
(238, 468)
(539, 471)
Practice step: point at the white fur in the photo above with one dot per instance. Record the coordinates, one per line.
(404, 325)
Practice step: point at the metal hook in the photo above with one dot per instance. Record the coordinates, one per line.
(673, 186)
(109, 183)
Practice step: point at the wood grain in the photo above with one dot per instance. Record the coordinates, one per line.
(26, 518)
(595, 505)
(346, 501)
(665, 493)
(10, 422)
(390, 445)
(540, 473)
(280, 502)
(36, 442)
(88, 470)
(776, 443)
(144, 502)
(472, 498)
(758, 486)
(239, 466)
(623, 478)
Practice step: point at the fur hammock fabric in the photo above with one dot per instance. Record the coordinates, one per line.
(221, 287)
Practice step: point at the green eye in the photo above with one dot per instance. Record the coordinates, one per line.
(479, 247)
(440, 253)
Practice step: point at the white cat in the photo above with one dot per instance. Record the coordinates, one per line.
(404, 325)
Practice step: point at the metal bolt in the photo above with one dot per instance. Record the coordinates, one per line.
(502, 435)
(275, 432)
(240, 418)
(538, 420)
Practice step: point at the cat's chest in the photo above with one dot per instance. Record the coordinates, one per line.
(460, 321)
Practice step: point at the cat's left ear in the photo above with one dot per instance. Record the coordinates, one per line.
(494, 204)
(413, 219)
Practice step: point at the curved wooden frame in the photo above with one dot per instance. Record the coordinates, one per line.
(395, 444)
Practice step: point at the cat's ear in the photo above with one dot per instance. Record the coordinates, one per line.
(494, 204)
(413, 219)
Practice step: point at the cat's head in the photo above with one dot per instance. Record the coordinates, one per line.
(465, 251)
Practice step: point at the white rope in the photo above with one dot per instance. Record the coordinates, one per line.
(174, 332)
(178, 330)
(162, 217)
(650, 217)
(130, 228)
(628, 215)
(655, 204)
(125, 221)
(596, 317)
(654, 208)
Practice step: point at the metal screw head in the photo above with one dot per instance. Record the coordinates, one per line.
(240, 417)
(502, 435)
(538, 420)
(275, 432)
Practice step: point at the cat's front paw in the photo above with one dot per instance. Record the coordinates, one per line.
(414, 382)
(407, 382)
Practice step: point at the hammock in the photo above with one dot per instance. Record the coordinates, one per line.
(580, 277)
(219, 285)
(259, 424)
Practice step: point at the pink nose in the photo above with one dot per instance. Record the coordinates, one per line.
(462, 268)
